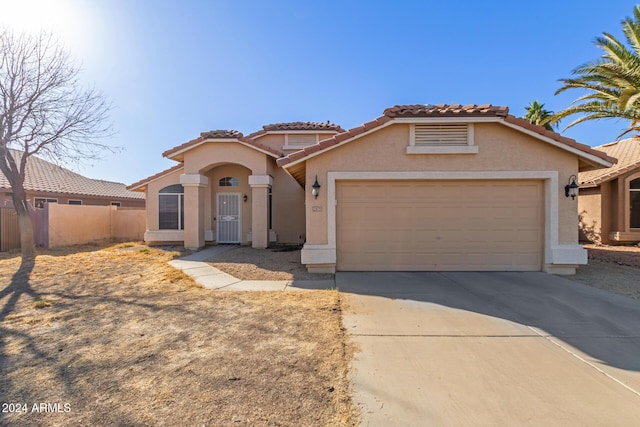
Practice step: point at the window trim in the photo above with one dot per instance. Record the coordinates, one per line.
(627, 201)
(180, 210)
(45, 200)
(228, 181)
(470, 148)
(76, 202)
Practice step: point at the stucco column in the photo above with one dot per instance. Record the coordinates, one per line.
(260, 185)
(194, 185)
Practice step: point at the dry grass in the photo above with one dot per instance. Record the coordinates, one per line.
(247, 263)
(125, 339)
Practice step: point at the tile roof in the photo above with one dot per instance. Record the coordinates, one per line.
(232, 135)
(222, 133)
(136, 185)
(446, 110)
(440, 110)
(627, 151)
(44, 176)
(303, 126)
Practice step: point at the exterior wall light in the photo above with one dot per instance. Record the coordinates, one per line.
(571, 189)
(315, 188)
(245, 198)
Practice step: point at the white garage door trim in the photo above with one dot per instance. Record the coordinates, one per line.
(553, 252)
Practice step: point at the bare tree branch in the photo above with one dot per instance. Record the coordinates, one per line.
(45, 111)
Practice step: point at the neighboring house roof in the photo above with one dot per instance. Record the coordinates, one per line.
(627, 151)
(141, 185)
(443, 110)
(46, 177)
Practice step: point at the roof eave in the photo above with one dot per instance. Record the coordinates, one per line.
(178, 155)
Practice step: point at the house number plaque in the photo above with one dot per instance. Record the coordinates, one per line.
(316, 208)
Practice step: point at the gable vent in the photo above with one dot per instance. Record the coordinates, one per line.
(301, 140)
(446, 135)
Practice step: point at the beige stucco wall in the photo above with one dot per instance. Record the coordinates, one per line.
(589, 203)
(288, 208)
(210, 155)
(275, 142)
(500, 149)
(72, 225)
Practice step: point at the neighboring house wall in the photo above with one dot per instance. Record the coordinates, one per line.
(605, 211)
(6, 199)
(501, 150)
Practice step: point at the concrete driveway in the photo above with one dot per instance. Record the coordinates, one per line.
(491, 349)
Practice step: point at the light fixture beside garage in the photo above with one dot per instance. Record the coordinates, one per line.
(315, 188)
(571, 189)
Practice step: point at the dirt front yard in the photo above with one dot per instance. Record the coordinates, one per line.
(115, 336)
(247, 263)
(612, 268)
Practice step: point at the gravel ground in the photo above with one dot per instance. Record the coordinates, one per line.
(247, 263)
(612, 268)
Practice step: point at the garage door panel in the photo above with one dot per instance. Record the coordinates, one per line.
(431, 225)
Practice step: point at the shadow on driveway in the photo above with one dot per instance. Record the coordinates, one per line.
(600, 324)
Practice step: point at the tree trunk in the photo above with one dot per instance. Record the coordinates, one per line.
(27, 241)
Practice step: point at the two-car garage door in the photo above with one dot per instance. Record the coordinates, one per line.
(439, 225)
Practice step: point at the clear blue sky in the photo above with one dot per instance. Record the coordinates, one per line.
(173, 69)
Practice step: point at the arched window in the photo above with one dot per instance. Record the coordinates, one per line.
(228, 181)
(171, 207)
(634, 203)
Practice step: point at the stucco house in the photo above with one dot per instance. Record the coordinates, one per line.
(422, 187)
(609, 202)
(46, 182)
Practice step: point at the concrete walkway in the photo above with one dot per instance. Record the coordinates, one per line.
(204, 274)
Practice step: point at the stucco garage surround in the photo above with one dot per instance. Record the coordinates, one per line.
(502, 170)
(542, 209)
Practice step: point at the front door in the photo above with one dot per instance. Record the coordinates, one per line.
(228, 218)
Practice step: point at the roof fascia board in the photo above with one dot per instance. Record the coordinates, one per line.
(589, 157)
(268, 153)
(144, 184)
(177, 153)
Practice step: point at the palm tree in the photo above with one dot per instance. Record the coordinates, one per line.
(612, 82)
(537, 115)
